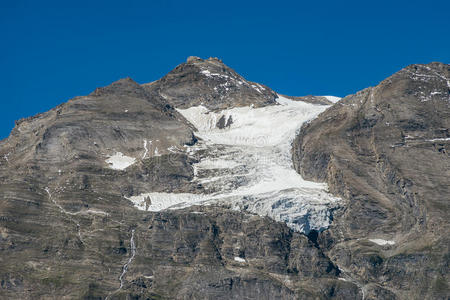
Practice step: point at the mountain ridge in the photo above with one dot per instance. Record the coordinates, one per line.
(396, 137)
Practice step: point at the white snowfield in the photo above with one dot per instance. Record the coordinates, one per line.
(382, 242)
(249, 166)
(333, 99)
(239, 259)
(119, 161)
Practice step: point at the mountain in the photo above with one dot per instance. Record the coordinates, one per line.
(385, 150)
(204, 185)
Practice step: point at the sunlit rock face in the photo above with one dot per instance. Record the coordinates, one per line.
(385, 151)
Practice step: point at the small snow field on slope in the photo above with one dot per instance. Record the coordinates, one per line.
(332, 99)
(248, 165)
(119, 161)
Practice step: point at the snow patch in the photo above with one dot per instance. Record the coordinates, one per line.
(239, 259)
(119, 161)
(145, 148)
(382, 242)
(439, 139)
(258, 88)
(207, 73)
(156, 153)
(6, 156)
(332, 99)
(173, 149)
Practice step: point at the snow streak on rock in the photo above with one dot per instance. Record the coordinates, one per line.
(248, 165)
(126, 265)
(382, 242)
(145, 148)
(133, 254)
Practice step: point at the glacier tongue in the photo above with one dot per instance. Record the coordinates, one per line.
(248, 164)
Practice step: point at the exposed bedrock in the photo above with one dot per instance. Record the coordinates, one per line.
(385, 150)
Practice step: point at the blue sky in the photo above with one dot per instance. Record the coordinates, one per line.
(52, 51)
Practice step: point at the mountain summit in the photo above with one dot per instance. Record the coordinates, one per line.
(210, 83)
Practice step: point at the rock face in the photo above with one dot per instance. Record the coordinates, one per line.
(214, 253)
(386, 151)
(68, 229)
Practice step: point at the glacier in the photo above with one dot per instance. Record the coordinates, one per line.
(248, 165)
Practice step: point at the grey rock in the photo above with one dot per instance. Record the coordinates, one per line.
(209, 83)
(385, 150)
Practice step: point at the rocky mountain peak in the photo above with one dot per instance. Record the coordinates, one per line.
(210, 83)
(194, 59)
(425, 82)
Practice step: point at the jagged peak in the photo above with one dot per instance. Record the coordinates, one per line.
(211, 68)
(212, 64)
(192, 59)
(211, 83)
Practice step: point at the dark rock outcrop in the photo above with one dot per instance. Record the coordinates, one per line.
(215, 253)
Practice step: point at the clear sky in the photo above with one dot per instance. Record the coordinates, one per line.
(52, 51)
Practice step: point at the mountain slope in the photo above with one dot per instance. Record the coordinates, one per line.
(386, 151)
